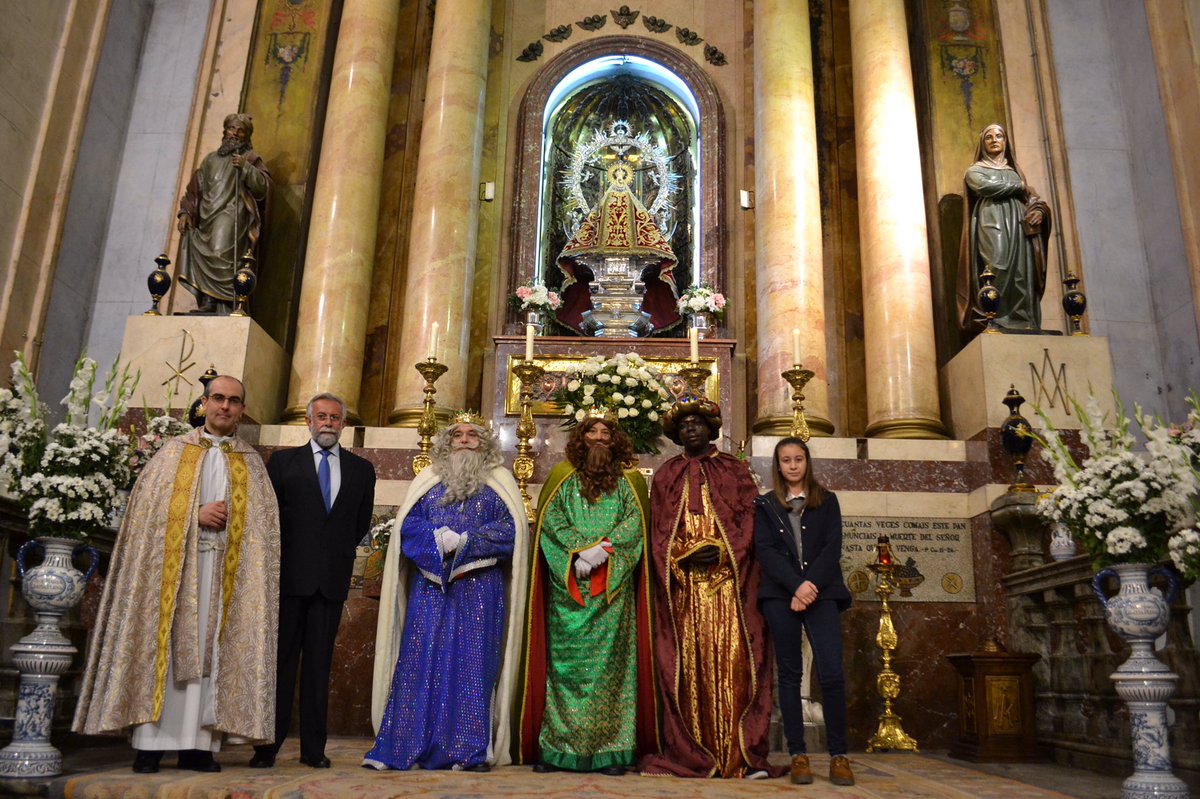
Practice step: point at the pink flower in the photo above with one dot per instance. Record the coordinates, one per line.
(555, 300)
(718, 301)
(524, 293)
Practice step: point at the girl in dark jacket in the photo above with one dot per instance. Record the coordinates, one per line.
(798, 543)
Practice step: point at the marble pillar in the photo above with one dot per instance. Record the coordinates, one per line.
(442, 244)
(901, 357)
(331, 324)
(789, 263)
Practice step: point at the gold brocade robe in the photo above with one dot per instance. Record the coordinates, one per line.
(706, 609)
(149, 609)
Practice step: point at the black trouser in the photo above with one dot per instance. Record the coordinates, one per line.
(825, 634)
(308, 626)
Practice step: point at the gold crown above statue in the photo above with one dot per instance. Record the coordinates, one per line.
(468, 417)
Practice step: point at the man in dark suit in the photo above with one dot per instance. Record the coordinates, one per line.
(326, 495)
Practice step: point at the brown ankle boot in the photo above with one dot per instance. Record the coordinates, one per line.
(839, 770)
(801, 771)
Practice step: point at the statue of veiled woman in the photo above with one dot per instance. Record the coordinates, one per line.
(1007, 226)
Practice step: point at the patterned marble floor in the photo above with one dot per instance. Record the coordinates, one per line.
(894, 776)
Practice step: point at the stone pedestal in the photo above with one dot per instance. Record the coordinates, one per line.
(172, 352)
(996, 720)
(1049, 371)
(1015, 514)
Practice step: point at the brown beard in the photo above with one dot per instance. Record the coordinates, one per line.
(231, 145)
(600, 468)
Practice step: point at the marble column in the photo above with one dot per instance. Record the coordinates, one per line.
(331, 327)
(442, 244)
(901, 357)
(789, 264)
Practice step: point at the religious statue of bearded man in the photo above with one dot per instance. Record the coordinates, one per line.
(710, 641)
(590, 703)
(221, 216)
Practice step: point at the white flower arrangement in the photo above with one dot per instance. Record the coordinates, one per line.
(534, 296)
(701, 299)
(1123, 506)
(67, 480)
(624, 384)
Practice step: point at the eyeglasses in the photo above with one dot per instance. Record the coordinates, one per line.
(221, 399)
(328, 417)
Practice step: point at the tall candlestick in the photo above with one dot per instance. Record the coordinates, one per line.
(694, 344)
(529, 342)
(796, 346)
(433, 342)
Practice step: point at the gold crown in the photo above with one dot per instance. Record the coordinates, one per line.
(606, 415)
(468, 417)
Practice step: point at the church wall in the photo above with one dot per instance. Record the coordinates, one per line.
(1139, 294)
(144, 203)
(28, 42)
(92, 188)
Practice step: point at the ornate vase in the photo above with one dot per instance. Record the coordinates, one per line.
(1139, 615)
(51, 588)
(535, 318)
(702, 321)
(1062, 543)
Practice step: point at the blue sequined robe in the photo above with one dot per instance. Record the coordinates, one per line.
(439, 710)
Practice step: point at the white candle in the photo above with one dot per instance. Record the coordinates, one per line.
(433, 342)
(694, 344)
(529, 342)
(796, 346)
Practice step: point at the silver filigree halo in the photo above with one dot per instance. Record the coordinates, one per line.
(618, 137)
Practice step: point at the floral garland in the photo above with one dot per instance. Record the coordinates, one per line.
(701, 299)
(625, 384)
(1124, 506)
(66, 480)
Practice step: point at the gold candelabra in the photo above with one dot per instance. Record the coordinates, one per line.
(431, 370)
(695, 376)
(891, 734)
(528, 373)
(798, 378)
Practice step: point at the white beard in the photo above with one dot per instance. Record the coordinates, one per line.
(462, 473)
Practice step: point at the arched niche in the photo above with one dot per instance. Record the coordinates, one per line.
(527, 172)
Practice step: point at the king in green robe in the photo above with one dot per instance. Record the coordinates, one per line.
(589, 675)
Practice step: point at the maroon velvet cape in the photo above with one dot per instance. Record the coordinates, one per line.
(733, 492)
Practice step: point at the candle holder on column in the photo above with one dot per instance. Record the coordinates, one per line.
(798, 378)
(890, 734)
(431, 370)
(528, 373)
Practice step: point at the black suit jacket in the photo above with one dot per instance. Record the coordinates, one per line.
(775, 548)
(317, 548)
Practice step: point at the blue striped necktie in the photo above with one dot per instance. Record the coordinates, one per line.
(323, 479)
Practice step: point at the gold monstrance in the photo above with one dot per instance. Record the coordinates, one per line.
(890, 734)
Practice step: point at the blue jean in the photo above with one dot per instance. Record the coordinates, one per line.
(825, 634)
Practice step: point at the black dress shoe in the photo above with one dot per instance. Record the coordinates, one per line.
(315, 762)
(479, 768)
(613, 771)
(146, 761)
(543, 768)
(262, 759)
(198, 760)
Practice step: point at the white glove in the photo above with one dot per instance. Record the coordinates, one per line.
(447, 540)
(591, 558)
